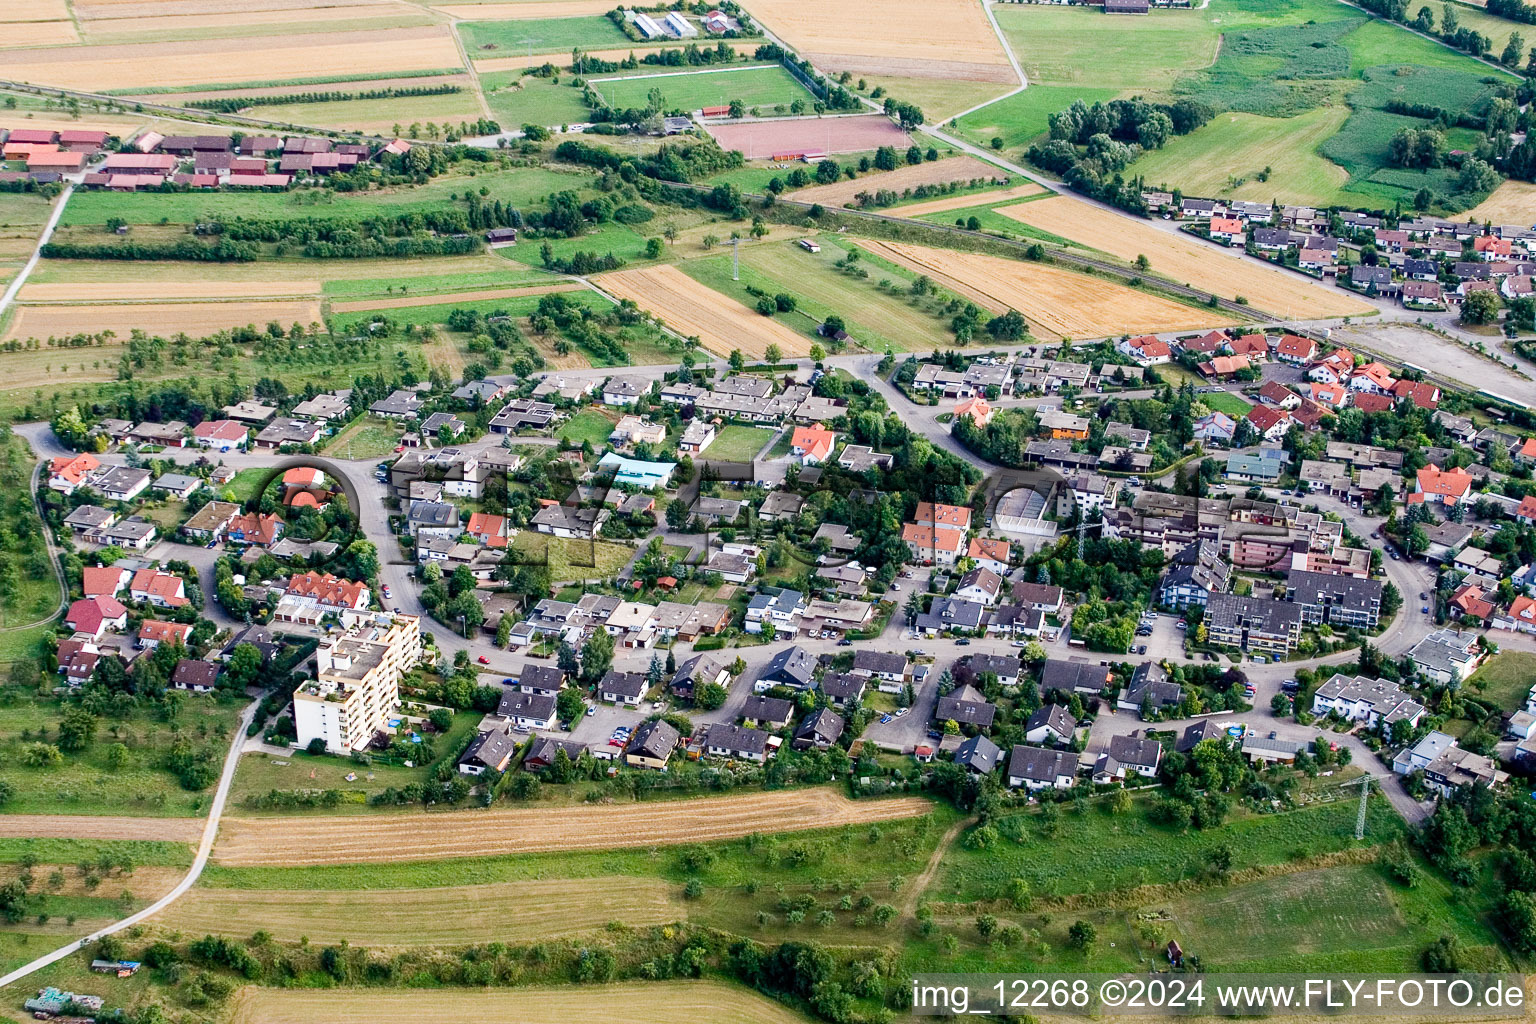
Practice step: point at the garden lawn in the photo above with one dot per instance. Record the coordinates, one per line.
(738, 443)
(486, 39)
(369, 438)
(764, 86)
(1225, 401)
(244, 485)
(588, 425)
(1504, 680)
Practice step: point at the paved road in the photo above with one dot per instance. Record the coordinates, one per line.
(37, 253)
(204, 848)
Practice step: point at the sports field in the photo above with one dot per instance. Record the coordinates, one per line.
(1056, 303)
(451, 915)
(1245, 146)
(348, 840)
(663, 1002)
(691, 309)
(1185, 260)
(761, 86)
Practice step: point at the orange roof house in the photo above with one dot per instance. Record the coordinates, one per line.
(1527, 510)
(1254, 346)
(939, 543)
(985, 549)
(1445, 487)
(952, 516)
(303, 476)
(977, 408)
(812, 445)
(154, 632)
(158, 588)
(1472, 601)
(255, 528)
(488, 529)
(1425, 396)
(107, 580)
(1329, 394)
(1293, 348)
(1523, 611)
(68, 472)
(328, 590)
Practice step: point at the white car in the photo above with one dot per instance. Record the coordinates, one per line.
(1020, 643)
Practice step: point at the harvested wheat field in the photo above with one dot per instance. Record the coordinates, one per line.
(1513, 202)
(657, 1002)
(453, 297)
(720, 322)
(939, 172)
(232, 60)
(519, 10)
(36, 10)
(146, 883)
(80, 826)
(1057, 303)
(427, 917)
(909, 38)
(119, 29)
(356, 840)
(163, 291)
(1185, 260)
(948, 203)
(165, 319)
(37, 33)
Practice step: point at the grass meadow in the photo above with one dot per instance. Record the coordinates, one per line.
(763, 86)
(588, 425)
(485, 39)
(738, 443)
(517, 99)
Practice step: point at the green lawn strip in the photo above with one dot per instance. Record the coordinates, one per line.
(517, 99)
(432, 284)
(231, 87)
(990, 220)
(143, 853)
(437, 313)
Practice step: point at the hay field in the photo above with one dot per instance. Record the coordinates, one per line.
(939, 172)
(1057, 303)
(37, 33)
(1024, 191)
(356, 840)
(949, 39)
(80, 826)
(454, 298)
(721, 323)
(181, 63)
(296, 273)
(663, 1002)
(1185, 260)
(449, 915)
(106, 31)
(1513, 202)
(164, 319)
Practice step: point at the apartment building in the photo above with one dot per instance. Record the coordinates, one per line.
(357, 681)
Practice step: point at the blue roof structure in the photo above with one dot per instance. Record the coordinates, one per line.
(636, 472)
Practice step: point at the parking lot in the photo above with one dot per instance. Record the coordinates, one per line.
(596, 728)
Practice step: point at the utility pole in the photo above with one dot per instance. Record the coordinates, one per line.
(735, 259)
(1365, 792)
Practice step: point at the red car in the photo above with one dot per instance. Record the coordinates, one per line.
(484, 660)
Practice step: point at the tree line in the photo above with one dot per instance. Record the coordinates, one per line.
(233, 104)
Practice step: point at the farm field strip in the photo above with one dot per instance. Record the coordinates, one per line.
(721, 323)
(110, 31)
(406, 301)
(666, 1002)
(901, 35)
(938, 172)
(436, 916)
(80, 293)
(197, 62)
(1057, 303)
(170, 273)
(194, 318)
(1513, 202)
(490, 64)
(857, 133)
(74, 826)
(405, 81)
(344, 840)
(37, 33)
(527, 9)
(1025, 191)
(1186, 260)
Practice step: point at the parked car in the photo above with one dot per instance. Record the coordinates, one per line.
(484, 660)
(845, 642)
(963, 642)
(386, 591)
(591, 711)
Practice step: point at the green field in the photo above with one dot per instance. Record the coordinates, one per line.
(619, 239)
(737, 443)
(517, 305)
(590, 426)
(876, 319)
(430, 284)
(486, 39)
(518, 99)
(690, 90)
(1205, 161)
(378, 115)
(520, 186)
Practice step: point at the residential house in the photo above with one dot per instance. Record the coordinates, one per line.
(93, 616)
(812, 445)
(161, 589)
(767, 712)
(526, 710)
(1050, 723)
(818, 730)
(1078, 677)
(1447, 656)
(221, 435)
(1036, 768)
(491, 749)
(622, 687)
(1342, 602)
(1376, 702)
(793, 667)
(1150, 688)
(68, 472)
(980, 585)
(978, 755)
(1257, 624)
(951, 615)
(153, 633)
(1193, 575)
(651, 745)
(965, 706)
(735, 741)
(1136, 754)
(776, 606)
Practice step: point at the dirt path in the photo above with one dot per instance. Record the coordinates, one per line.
(921, 882)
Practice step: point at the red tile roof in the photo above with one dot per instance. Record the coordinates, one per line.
(943, 515)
